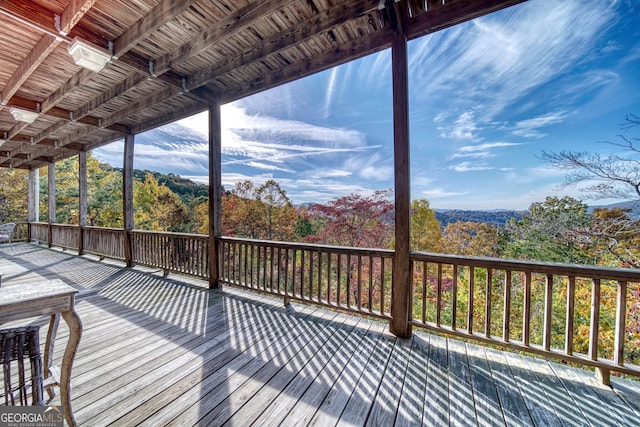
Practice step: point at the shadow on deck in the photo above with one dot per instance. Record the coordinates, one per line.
(167, 351)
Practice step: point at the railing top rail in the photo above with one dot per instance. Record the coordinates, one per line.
(93, 227)
(171, 233)
(386, 253)
(556, 268)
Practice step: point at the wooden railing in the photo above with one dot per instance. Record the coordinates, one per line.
(177, 252)
(65, 236)
(351, 279)
(104, 242)
(583, 314)
(40, 232)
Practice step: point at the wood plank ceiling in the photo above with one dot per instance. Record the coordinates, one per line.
(174, 58)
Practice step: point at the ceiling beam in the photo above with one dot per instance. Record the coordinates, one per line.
(338, 55)
(31, 62)
(323, 21)
(451, 13)
(157, 17)
(72, 14)
(227, 27)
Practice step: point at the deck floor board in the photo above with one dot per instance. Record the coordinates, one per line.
(160, 351)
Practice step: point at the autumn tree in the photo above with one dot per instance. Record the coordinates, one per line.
(425, 228)
(280, 214)
(157, 207)
(470, 239)
(356, 220)
(13, 191)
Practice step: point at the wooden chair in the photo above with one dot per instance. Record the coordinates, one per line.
(6, 231)
(17, 346)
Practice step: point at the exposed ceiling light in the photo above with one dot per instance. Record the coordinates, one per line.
(24, 115)
(89, 56)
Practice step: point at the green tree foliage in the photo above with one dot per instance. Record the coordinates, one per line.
(471, 239)
(13, 203)
(157, 207)
(425, 228)
(547, 232)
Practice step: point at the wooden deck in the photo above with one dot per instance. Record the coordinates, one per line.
(167, 351)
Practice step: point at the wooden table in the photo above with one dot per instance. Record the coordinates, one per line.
(54, 298)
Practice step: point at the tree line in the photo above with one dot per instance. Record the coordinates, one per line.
(556, 229)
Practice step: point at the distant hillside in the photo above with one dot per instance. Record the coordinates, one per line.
(185, 188)
(633, 205)
(497, 218)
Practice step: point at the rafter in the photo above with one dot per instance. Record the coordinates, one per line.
(36, 56)
(157, 17)
(324, 21)
(72, 14)
(232, 24)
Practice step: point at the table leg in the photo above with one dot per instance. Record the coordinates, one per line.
(75, 331)
(48, 349)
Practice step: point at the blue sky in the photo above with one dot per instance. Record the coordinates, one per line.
(486, 98)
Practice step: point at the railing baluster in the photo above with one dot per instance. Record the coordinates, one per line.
(359, 284)
(526, 312)
(439, 294)
(371, 283)
(329, 257)
(548, 307)
(571, 303)
(302, 273)
(621, 315)
(382, 285)
(338, 274)
(470, 305)
(488, 294)
(454, 298)
(506, 320)
(348, 282)
(319, 276)
(595, 320)
(425, 265)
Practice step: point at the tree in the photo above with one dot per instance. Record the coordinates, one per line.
(425, 228)
(13, 191)
(157, 207)
(547, 232)
(470, 239)
(356, 221)
(278, 210)
(616, 176)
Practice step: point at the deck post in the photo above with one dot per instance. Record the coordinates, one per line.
(127, 197)
(215, 193)
(51, 188)
(33, 205)
(401, 288)
(82, 193)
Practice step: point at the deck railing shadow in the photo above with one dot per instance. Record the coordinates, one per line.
(197, 347)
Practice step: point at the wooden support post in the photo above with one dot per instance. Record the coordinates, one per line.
(51, 189)
(82, 192)
(127, 197)
(402, 286)
(34, 195)
(215, 193)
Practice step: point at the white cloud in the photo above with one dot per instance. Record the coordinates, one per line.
(530, 128)
(439, 193)
(481, 150)
(464, 128)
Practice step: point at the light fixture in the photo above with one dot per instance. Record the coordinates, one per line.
(24, 115)
(89, 56)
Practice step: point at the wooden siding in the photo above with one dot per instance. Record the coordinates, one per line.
(168, 351)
